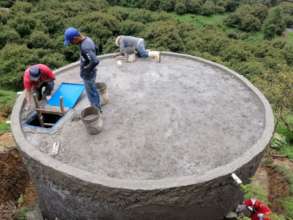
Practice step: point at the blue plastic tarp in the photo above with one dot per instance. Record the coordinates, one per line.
(70, 92)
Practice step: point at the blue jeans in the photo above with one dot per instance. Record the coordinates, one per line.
(141, 50)
(92, 92)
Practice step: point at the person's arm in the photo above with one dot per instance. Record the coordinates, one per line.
(92, 60)
(28, 98)
(28, 90)
(122, 47)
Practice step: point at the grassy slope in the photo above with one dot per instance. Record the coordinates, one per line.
(200, 21)
(7, 99)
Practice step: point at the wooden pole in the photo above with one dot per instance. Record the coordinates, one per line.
(40, 116)
(61, 101)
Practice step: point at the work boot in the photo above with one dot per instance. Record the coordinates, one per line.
(155, 55)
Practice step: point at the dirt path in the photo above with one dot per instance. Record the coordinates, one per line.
(278, 189)
(14, 180)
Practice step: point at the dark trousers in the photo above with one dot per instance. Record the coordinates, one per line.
(45, 89)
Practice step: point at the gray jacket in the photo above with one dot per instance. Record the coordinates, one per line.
(88, 59)
(129, 44)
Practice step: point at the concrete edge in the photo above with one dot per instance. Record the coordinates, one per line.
(86, 176)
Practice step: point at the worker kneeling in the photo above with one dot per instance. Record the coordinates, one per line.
(38, 79)
(129, 46)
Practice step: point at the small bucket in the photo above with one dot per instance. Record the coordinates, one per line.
(102, 87)
(92, 120)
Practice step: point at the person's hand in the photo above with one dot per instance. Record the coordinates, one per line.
(240, 208)
(260, 216)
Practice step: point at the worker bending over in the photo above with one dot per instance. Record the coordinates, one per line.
(38, 79)
(133, 45)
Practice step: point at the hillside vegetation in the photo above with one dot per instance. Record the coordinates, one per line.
(247, 36)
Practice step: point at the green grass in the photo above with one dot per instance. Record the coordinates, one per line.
(4, 127)
(7, 99)
(287, 202)
(254, 191)
(290, 38)
(288, 205)
(200, 21)
(255, 37)
(283, 138)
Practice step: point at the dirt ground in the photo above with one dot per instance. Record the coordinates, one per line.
(278, 189)
(16, 189)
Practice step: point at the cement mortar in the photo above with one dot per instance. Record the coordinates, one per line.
(175, 118)
(173, 133)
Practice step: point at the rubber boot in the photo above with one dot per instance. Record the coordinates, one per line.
(155, 55)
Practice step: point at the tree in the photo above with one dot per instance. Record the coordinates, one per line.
(164, 35)
(180, 7)
(152, 4)
(208, 8)
(274, 23)
(6, 3)
(129, 27)
(193, 6)
(231, 5)
(260, 11)
(39, 39)
(244, 19)
(288, 52)
(167, 5)
(250, 24)
(8, 35)
(23, 24)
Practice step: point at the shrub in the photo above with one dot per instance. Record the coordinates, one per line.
(274, 23)
(250, 23)
(39, 39)
(23, 24)
(288, 52)
(164, 36)
(244, 19)
(4, 13)
(180, 7)
(193, 6)
(208, 8)
(14, 59)
(152, 4)
(8, 35)
(129, 27)
(167, 5)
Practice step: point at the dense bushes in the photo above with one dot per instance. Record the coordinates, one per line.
(274, 24)
(248, 17)
(203, 7)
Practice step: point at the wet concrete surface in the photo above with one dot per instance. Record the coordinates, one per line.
(176, 118)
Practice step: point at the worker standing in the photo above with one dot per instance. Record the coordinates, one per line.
(38, 79)
(88, 63)
(130, 45)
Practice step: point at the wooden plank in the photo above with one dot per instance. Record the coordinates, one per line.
(50, 111)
